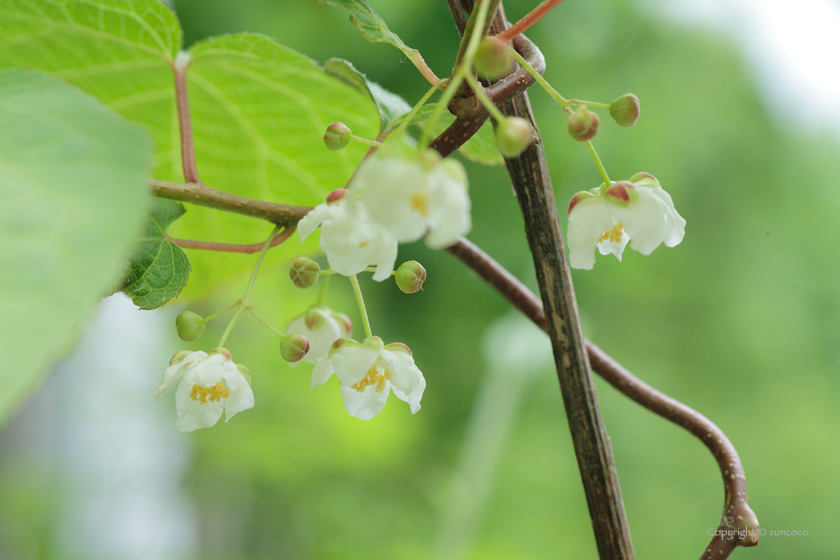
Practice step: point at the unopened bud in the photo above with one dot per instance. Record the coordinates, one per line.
(304, 272)
(337, 136)
(410, 277)
(583, 124)
(513, 135)
(625, 110)
(190, 326)
(336, 195)
(223, 351)
(246, 373)
(492, 59)
(293, 347)
(179, 357)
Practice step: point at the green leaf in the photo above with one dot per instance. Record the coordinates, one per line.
(390, 105)
(371, 25)
(259, 115)
(259, 110)
(73, 186)
(159, 268)
(118, 50)
(480, 148)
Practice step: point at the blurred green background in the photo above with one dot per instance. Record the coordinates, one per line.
(741, 321)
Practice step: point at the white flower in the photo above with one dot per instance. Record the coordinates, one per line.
(321, 326)
(416, 196)
(209, 384)
(368, 372)
(349, 237)
(637, 209)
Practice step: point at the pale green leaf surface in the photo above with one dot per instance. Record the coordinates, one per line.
(159, 268)
(390, 105)
(118, 50)
(259, 114)
(259, 110)
(370, 24)
(72, 182)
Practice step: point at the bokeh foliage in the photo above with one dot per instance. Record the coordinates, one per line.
(740, 321)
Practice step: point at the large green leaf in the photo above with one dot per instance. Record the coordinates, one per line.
(259, 110)
(259, 115)
(118, 50)
(72, 182)
(159, 269)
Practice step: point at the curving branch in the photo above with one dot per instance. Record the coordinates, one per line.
(244, 248)
(202, 195)
(738, 525)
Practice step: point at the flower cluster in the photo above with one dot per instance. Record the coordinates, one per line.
(393, 198)
(209, 384)
(368, 371)
(638, 209)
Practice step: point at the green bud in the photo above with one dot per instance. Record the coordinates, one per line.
(293, 347)
(410, 277)
(513, 135)
(337, 136)
(625, 110)
(492, 59)
(304, 272)
(190, 326)
(583, 124)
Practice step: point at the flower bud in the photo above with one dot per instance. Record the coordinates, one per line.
(179, 357)
(583, 124)
(304, 272)
(223, 351)
(336, 195)
(410, 277)
(492, 58)
(513, 135)
(293, 347)
(625, 110)
(337, 136)
(190, 326)
(246, 373)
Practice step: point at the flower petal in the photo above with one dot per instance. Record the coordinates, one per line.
(322, 371)
(313, 219)
(241, 395)
(364, 405)
(407, 380)
(174, 374)
(646, 220)
(352, 362)
(193, 415)
(588, 221)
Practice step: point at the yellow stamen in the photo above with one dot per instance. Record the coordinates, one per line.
(373, 377)
(215, 393)
(419, 203)
(614, 235)
(363, 244)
